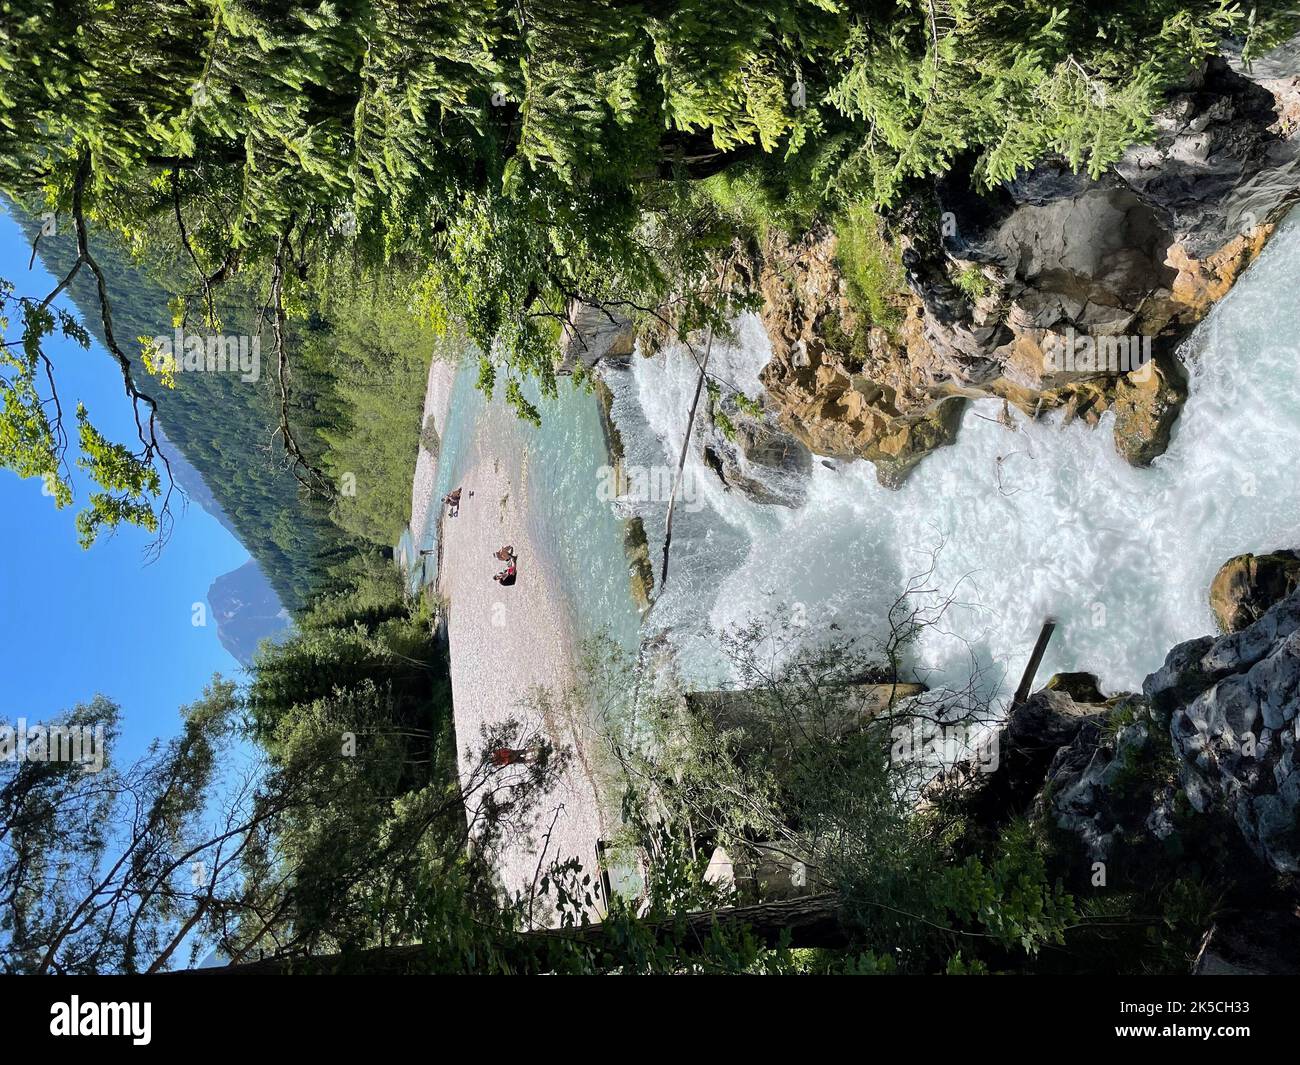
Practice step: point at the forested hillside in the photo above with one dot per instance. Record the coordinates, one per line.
(223, 424)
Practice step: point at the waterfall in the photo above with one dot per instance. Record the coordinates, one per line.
(1019, 523)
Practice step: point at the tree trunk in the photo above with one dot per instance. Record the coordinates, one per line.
(693, 155)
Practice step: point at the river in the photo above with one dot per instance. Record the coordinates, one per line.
(1015, 524)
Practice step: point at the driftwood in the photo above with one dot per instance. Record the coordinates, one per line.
(1035, 660)
(681, 463)
(863, 701)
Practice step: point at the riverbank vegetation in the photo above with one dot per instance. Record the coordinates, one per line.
(316, 821)
(371, 355)
(871, 267)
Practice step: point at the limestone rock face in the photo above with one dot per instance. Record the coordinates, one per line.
(1246, 586)
(1110, 791)
(1214, 730)
(1237, 740)
(1035, 730)
(591, 334)
(640, 569)
(1124, 263)
(1142, 253)
(846, 388)
(1220, 161)
(757, 457)
(1196, 776)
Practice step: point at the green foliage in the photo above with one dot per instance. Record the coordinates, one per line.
(752, 407)
(29, 441)
(1155, 927)
(1144, 764)
(496, 169)
(791, 768)
(354, 710)
(221, 424)
(354, 842)
(742, 200)
(559, 142)
(366, 634)
(958, 966)
(371, 354)
(99, 865)
(34, 444)
(871, 266)
(970, 280)
(128, 484)
(757, 197)
(1125, 712)
(1009, 895)
(717, 414)
(1013, 82)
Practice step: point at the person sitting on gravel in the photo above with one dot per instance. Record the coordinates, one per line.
(452, 499)
(504, 756)
(507, 575)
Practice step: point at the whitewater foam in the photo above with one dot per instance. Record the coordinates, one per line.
(1019, 523)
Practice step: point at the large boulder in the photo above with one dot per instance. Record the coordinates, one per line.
(1248, 585)
(1080, 687)
(1028, 741)
(1212, 738)
(1146, 406)
(1237, 740)
(752, 454)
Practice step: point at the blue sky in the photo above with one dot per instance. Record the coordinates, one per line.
(77, 622)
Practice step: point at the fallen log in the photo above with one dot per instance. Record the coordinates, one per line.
(810, 921)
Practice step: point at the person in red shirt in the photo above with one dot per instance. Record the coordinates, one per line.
(506, 756)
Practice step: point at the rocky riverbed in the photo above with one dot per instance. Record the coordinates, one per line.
(1197, 774)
